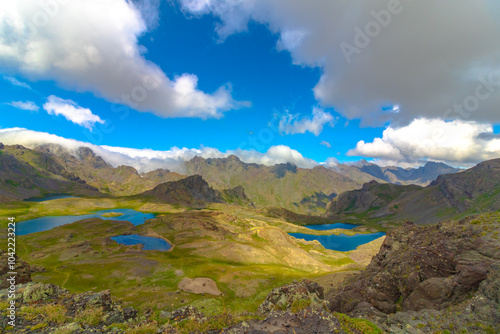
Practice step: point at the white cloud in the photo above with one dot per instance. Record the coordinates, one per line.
(16, 82)
(455, 142)
(325, 143)
(331, 162)
(72, 112)
(92, 45)
(423, 68)
(145, 160)
(291, 124)
(26, 105)
(274, 155)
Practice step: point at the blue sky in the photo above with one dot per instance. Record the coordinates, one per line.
(259, 79)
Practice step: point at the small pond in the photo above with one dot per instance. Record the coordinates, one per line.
(327, 227)
(46, 223)
(340, 242)
(149, 243)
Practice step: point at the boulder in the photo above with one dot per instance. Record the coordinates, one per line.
(284, 296)
(22, 268)
(37, 292)
(185, 312)
(433, 293)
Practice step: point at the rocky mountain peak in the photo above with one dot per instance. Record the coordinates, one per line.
(87, 155)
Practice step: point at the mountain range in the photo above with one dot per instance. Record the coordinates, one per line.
(365, 171)
(471, 191)
(362, 190)
(231, 225)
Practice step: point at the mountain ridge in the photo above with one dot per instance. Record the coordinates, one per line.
(474, 190)
(422, 176)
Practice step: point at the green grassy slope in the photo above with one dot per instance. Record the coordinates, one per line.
(296, 189)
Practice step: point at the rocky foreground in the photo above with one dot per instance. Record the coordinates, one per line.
(443, 278)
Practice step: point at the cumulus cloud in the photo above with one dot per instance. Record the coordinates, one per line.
(72, 112)
(16, 82)
(92, 45)
(293, 124)
(145, 160)
(26, 105)
(274, 155)
(326, 144)
(426, 57)
(331, 162)
(456, 142)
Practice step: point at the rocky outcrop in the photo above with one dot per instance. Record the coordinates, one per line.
(285, 296)
(428, 268)
(186, 312)
(92, 312)
(312, 320)
(299, 307)
(22, 269)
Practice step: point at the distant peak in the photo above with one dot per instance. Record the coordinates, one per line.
(84, 151)
(433, 163)
(197, 158)
(362, 163)
(233, 157)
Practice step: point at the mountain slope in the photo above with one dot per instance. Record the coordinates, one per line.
(282, 185)
(120, 181)
(474, 190)
(194, 191)
(27, 173)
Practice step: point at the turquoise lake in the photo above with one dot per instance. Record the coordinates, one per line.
(340, 242)
(149, 243)
(49, 222)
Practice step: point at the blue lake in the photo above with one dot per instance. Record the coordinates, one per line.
(331, 226)
(47, 197)
(149, 243)
(340, 242)
(46, 223)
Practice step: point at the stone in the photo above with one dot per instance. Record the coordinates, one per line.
(129, 313)
(41, 292)
(433, 293)
(115, 317)
(185, 312)
(284, 296)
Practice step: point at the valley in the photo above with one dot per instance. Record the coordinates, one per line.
(221, 242)
(215, 247)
